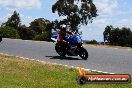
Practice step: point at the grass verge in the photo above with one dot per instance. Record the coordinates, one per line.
(19, 73)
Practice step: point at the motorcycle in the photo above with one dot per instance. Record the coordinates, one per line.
(73, 48)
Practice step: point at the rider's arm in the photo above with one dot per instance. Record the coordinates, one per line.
(69, 32)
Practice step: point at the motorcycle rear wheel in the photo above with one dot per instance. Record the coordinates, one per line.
(60, 50)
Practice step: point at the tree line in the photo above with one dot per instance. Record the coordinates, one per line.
(118, 36)
(75, 13)
(39, 29)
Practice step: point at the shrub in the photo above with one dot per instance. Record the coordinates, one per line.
(45, 36)
(26, 33)
(9, 32)
(92, 42)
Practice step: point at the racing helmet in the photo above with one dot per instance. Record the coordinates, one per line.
(63, 27)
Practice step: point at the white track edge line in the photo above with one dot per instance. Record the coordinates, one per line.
(57, 64)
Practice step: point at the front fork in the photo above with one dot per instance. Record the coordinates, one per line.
(78, 48)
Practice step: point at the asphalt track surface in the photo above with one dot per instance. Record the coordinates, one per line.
(110, 60)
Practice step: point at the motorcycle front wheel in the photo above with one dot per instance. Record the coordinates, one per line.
(83, 53)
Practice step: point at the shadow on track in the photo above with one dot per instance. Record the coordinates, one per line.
(63, 58)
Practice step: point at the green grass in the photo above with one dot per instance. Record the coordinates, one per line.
(19, 73)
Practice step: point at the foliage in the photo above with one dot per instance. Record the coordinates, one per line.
(92, 42)
(129, 40)
(38, 25)
(9, 28)
(9, 32)
(42, 29)
(107, 33)
(26, 33)
(76, 12)
(117, 36)
(39, 29)
(45, 36)
(13, 21)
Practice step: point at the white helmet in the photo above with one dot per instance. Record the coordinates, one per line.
(63, 26)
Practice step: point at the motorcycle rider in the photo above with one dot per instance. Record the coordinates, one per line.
(62, 36)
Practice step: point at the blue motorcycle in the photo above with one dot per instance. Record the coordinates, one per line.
(73, 48)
